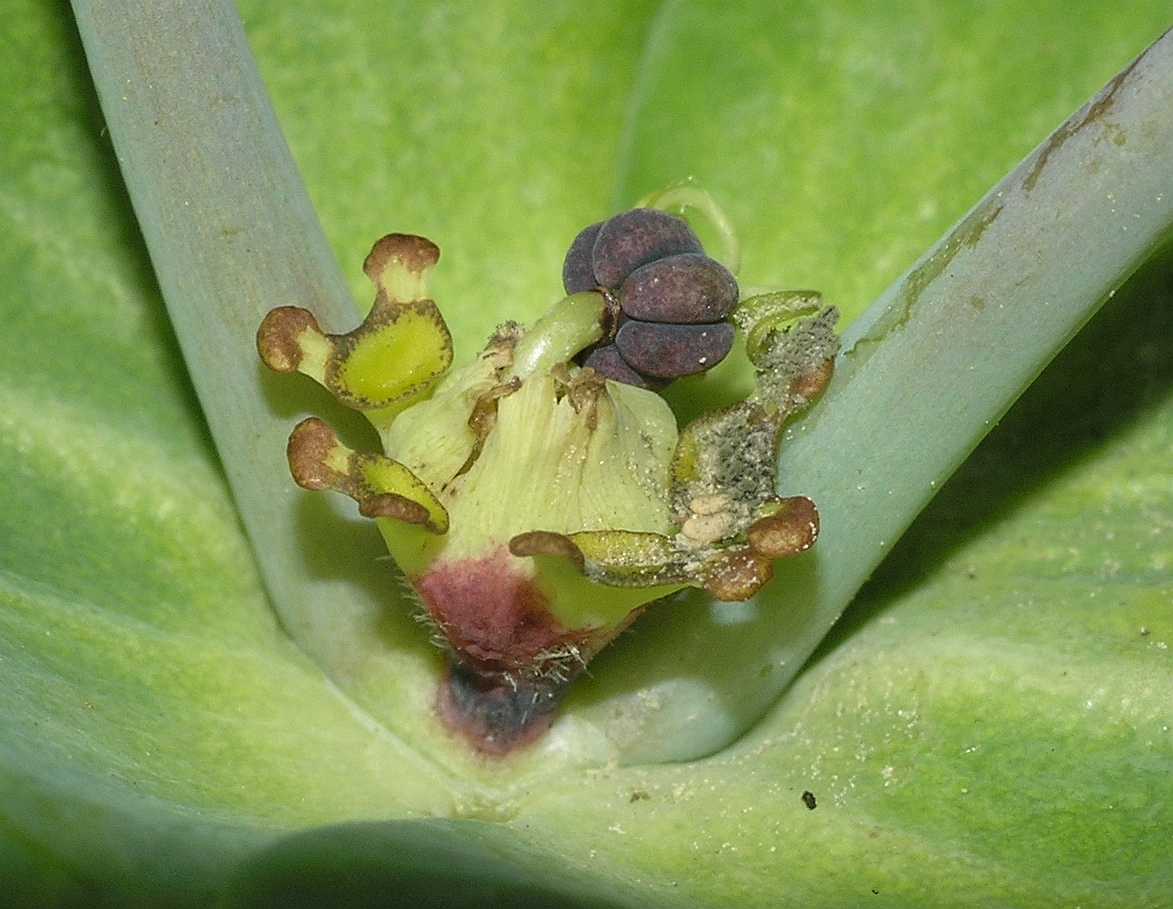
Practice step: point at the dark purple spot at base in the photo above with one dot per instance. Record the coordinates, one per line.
(494, 715)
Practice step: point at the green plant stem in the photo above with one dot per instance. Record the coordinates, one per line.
(944, 353)
(572, 325)
(231, 233)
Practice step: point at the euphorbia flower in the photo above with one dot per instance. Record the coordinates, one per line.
(536, 506)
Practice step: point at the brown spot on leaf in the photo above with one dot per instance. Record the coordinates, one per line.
(483, 418)
(967, 235)
(810, 385)
(390, 505)
(583, 391)
(1093, 112)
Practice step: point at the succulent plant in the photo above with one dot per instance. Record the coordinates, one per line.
(207, 697)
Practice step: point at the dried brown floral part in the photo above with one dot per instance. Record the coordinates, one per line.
(732, 452)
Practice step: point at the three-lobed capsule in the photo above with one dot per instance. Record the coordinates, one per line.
(673, 299)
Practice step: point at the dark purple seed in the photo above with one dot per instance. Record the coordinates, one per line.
(635, 238)
(669, 351)
(688, 288)
(607, 362)
(577, 273)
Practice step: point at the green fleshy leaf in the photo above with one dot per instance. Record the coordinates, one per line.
(991, 723)
(989, 727)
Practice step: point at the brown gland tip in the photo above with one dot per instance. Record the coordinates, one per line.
(390, 505)
(810, 385)
(792, 529)
(309, 446)
(277, 337)
(406, 252)
(546, 543)
(739, 576)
